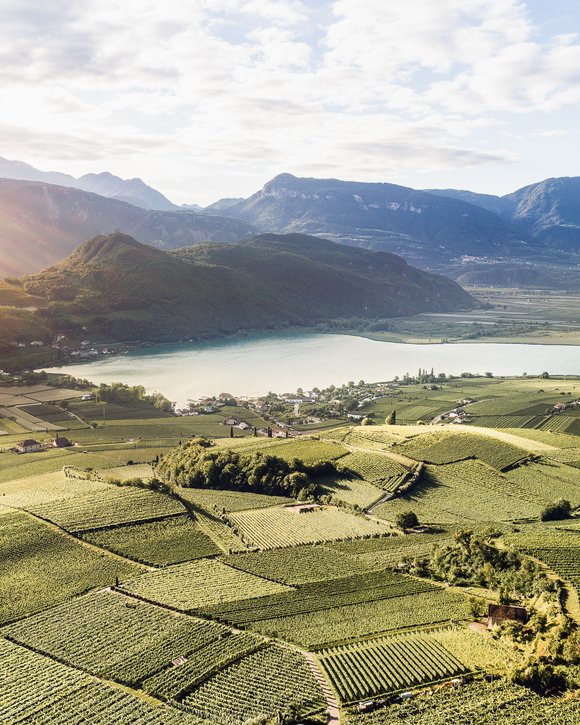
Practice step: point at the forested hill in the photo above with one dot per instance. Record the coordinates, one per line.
(122, 289)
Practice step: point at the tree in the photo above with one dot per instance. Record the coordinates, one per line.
(407, 520)
(560, 509)
(392, 418)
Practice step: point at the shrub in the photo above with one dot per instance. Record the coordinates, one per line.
(560, 509)
(407, 520)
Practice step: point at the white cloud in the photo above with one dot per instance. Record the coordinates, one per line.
(202, 92)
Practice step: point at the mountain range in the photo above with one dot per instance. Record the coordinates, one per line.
(530, 237)
(118, 288)
(40, 224)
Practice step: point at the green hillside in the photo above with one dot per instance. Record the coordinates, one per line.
(121, 289)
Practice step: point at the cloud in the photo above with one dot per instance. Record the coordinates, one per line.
(243, 89)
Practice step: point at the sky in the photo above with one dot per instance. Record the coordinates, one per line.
(210, 98)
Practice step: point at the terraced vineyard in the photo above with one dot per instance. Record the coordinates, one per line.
(288, 526)
(558, 547)
(388, 664)
(230, 500)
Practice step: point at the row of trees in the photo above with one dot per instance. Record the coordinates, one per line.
(200, 464)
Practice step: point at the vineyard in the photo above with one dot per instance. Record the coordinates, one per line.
(284, 526)
(121, 604)
(482, 703)
(461, 492)
(165, 541)
(260, 685)
(108, 634)
(42, 567)
(318, 596)
(377, 468)
(36, 689)
(111, 507)
(442, 448)
(379, 666)
(299, 564)
(230, 500)
(199, 584)
(341, 624)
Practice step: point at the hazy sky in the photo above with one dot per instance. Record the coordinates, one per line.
(210, 98)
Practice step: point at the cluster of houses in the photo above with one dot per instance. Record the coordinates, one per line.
(456, 415)
(30, 445)
(565, 405)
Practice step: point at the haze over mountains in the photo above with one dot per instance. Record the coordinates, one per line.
(121, 289)
(40, 224)
(527, 238)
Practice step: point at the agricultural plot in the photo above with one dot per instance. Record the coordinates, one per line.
(124, 473)
(260, 685)
(557, 546)
(376, 468)
(461, 492)
(298, 565)
(318, 596)
(390, 551)
(44, 489)
(114, 636)
(480, 702)
(547, 481)
(218, 531)
(388, 664)
(174, 682)
(442, 448)
(287, 526)
(230, 500)
(309, 451)
(14, 466)
(37, 689)
(353, 492)
(327, 627)
(475, 649)
(199, 584)
(165, 541)
(114, 506)
(502, 421)
(557, 423)
(41, 567)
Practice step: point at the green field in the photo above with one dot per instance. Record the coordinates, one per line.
(199, 584)
(156, 605)
(161, 542)
(388, 664)
(287, 526)
(42, 567)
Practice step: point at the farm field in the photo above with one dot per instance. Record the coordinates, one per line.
(200, 584)
(42, 567)
(481, 702)
(388, 664)
(110, 507)
(161, 542)
(146, 604)
(286, 526)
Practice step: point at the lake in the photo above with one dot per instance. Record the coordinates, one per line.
(257, 364)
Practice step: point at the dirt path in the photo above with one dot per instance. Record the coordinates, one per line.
(333, 709)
